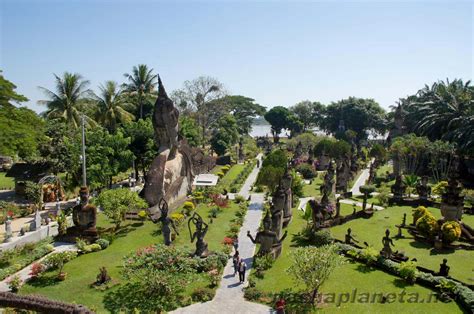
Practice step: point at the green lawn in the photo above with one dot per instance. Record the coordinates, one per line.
(372, 230)
(351, 276)
(313, 188)
(83, 270)
(231, 175)
(6, 182)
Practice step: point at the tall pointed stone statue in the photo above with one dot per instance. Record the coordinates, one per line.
(270, 242)
(276, 209)
(285, 184)
(171, 173)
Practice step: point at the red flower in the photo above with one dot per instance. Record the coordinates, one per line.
(228, 241)
(10, 213)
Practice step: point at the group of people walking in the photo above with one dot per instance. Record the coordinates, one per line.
(239, 266)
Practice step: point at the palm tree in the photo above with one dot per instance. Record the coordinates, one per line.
(141, 84)
(446, 111)
(110, 104)
(410, 181)
(70, 97)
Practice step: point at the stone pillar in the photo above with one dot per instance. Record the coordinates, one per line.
(8, 230)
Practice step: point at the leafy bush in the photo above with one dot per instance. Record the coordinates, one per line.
(103, 243)
(263, 263)
(36, 270)
(419, 212)
(82, 246)
(440, 187)
(253, 294)
(369, 255)
(427, 225)
(366, 189)
(202, 295)
(58, 259)
(306, 170)
(189, 206)
(239, 199)
(213, 212)
(14, 283)
(408, 271)
(62, 224)
(383, 196)
(142, 215)
(95, 247)
(322, 237)
(220, 174)
(451, 231)
(178, 218)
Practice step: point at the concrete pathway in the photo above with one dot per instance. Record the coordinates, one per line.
(359, 204)
(361, 180)
(303, 202)
(230, 296)
(24, 274)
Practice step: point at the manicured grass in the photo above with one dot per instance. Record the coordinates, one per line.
(372, 230)
(348, 277)
(312, 189)
(83, 270)
(231, 175)
(6, 182)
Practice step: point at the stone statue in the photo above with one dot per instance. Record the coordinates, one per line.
(338, 207)
(276, 209)
(328, 185)
(166, 222)
(404, 221)
(84, 216)
(200, 231)
(452, 202)
(387, 245)
(423, 189)
(241, 151)
(285, 184)
(444, 268)
(399, 234)
(269, 242)
(398, 188)
(8, 230)
(170, 175)
(318, 214)
(343, 174)
(349, 237)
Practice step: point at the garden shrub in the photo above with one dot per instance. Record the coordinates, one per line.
(322, 237)
(253, 294)
(178, 218)
(383, 196)
(188, 206)
(369, 255)
(408, 271)
(95, 247)
(239, 199)
(439, 188)
(419, 212)
(56, 260)
(103, 243)
(36, 270)
(427, 225)
(142, 215)
(451, 231)
(220, 174)
(306, 170)
(366, 189)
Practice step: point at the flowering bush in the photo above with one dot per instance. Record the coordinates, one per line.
(427, 225)
(36, 270)
(451, 231)
(220, 201)
(178, 218)
(228, 241)
(419, 212)
(189, 206)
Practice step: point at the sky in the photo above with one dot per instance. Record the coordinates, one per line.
(277, 52)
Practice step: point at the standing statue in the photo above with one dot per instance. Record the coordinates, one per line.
(166, 222)
(285, 184)
(398, 189)
(269, 242)
(200, 231)
(170, 175)
(423, 189)
(387, 245)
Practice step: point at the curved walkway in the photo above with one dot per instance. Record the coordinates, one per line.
(361, 180)
(230, 296)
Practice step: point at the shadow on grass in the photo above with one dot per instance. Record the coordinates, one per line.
(364, 268)
(420, 245)
(442, 251)
(45, 281)
(299, 239)
(400, 283)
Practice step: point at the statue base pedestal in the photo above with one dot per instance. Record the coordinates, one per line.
(73, 233)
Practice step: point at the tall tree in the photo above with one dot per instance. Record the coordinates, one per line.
(279, 118)
(142, 143)
(21, 129)
(244, 110)
(200, 96)
(309, 113)
(110, 106)
(356, 114)
(66, 103)
(225, 134)
(141, 87)
(445, 111)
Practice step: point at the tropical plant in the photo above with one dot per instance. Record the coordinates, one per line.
(110, 106)
(141, 87)
(408, 271)
(410, 181)
(68, 102)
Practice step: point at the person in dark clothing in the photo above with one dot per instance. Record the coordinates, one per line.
(242, 269)
(235, 261)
